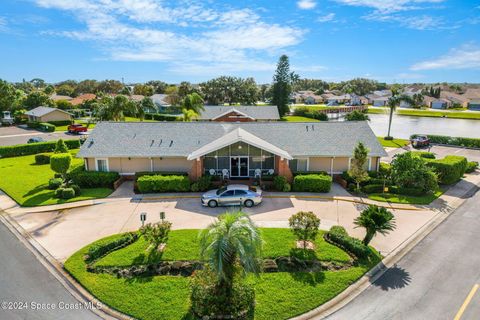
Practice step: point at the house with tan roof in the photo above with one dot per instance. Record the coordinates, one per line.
(83, 98)
(47, 114)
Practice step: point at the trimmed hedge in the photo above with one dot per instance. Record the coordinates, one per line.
(93, 179)
(424, 154)
(68, 193)
(159, 173)
(406, 191)
(373, 188)
(152, 184)
(61, 123)
(42, 126)
(279, 183)
(449, 169)
(471, 166)
(453, 141)
(297, 173)
(339, 236)
(312, 183)
(34, 148)
(160, 117)
(54, 183)
(97, 251)
(42, 158)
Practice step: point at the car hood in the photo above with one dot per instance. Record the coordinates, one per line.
(210, 194)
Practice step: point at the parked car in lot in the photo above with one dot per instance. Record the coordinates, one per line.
(35, 140)
(232, 195)
(77, 128)
(420, 141)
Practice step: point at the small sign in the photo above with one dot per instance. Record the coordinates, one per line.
(162, 215)
(143, 217)
(385, 189)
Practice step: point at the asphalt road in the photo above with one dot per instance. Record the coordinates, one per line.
(14, 135)
(433, 280)
(25, 282)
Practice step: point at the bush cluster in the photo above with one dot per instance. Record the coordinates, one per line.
(42, 158)
(312, 183)
(339, 236)
(34, 148)
(373, 188)
(202, 184)
(309, 113)
(61, 123)
(157, 183)
(449, 169)
(453, 141)
(67, 192)
(159, 173)
(42, 126)
(97, 251)
(279, 182)
(471, 166)
(93, 179)
(160, 117)
(424, 154)
(54, 183)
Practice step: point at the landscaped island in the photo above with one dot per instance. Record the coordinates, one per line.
(123, 272)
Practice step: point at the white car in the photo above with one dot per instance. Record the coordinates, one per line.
(232, 195)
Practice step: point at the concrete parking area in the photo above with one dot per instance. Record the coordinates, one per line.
(439, 151)
(18, 135)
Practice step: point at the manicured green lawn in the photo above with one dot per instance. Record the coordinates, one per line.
(26, 182)
(278, 295)
(65, 128)
(298, 119)
(374, 110)
(395, 143)
(395, 198)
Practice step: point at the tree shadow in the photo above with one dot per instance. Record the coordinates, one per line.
(394, 278)
(139, 279)
(36, 190)
(309, 278)
(302, 254)
(149, 257)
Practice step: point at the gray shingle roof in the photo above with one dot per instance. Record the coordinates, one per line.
(168, 139)
(255, 112)
(41, 111)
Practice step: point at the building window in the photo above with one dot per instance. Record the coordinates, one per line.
(102, 165)
(299, 165)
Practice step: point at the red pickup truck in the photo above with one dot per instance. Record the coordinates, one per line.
(77, 128)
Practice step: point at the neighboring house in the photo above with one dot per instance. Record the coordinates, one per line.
(474, 105)
(198, 148)
(56, 97)
(378, 101)
(161, 101)
(47, 114)
(239, 113)
(340, 99)
(83, 98)
(306, 97)
(440, 104)
(454, 99)
(473, 96)
(136, 97)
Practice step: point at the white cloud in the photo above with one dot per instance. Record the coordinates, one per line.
(388, 6)
(306, 4)
(465, 57)
(189, 36)
(422, 22)
(326, 18)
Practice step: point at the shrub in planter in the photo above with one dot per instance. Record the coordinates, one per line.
(312, 183)
(471, 166)
(54, 183)
(68, 193)
(279, 182)
(149, 184)
(449, 169)
(59, 193)
(210, 301)
(42, 158)
(77, 189)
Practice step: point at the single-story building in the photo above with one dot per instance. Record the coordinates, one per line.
(380, 101)
(239, 113)
(83, 98)
(162, 103)
(474, 104)
(440, 104)
(47, 114)
(242, 150)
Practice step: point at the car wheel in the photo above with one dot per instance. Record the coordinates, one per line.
(212, 203)
(248, 203)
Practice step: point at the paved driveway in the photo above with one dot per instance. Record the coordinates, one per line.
(64, 232)
(440, 152)
(15, 135)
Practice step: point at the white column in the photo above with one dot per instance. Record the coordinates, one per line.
(331, 166)
(349, 163)
(85, 162)
(370, 164)
(151, 164)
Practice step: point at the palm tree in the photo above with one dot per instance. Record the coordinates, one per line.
(193, 102)
(188, 114)
(375, 219)
(231, 244)
(392, 103)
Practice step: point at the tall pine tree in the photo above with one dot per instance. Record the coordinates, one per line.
(282, 85)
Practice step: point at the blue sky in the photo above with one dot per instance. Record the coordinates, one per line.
(140, 40)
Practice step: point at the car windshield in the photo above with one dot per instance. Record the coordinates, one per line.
(221, 190)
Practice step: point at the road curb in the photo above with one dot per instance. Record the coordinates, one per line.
(56, 269)
(390, 260)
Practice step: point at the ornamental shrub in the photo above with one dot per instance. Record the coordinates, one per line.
(449, 169)
(204, 183)
(77, 189)
(60, 147)
(194, 187)
(312, 183)
(58, 193)
(340, 237)
(406, 191)
(287, 187)
(68, 193)
(156, 233)
(34, 148)
(44, 126)
(279, 182)
(42, 158)
(424, 154)
(60, 163)
(301, 111)
(373, 188)
(150, 184)
(471, 166)
(54, 183)
(97, 251)
(317, 115)
(304, 226)
(93, 179)
(410, 171)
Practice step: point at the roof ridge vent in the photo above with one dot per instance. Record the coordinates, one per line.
(306, 127)
(171, 143)
(151, 144)
(160, 142)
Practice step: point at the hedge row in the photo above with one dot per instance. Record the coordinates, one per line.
(309, 113)
(449, 169)
(61, 122)
(97, 251)
(93, 179)
(471, 166)
(152, 184)
(424, 154)
(160, 117)
(43, 126)
(34, 148)
(378, 188)
(339, 236)
(312, 183)
(453, 141)
(159, 173)
(43, 158)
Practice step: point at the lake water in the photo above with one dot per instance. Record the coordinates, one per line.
(404, 126)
